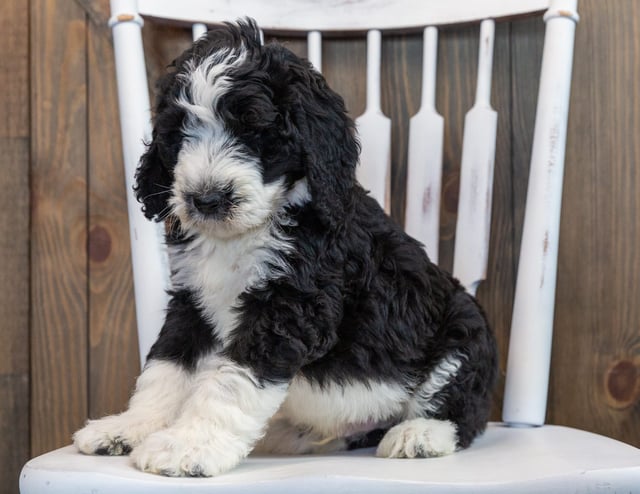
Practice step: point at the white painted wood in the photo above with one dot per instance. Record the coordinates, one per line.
(549, 459)
(148, 255)
(314, 49)
(424, 166)
(198, 30)
(476, 174)
(340, 15)
(527, 381)
(374, 129)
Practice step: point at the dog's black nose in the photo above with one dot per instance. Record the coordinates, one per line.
(211, 202)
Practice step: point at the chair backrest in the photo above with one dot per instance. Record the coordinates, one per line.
(532, 321)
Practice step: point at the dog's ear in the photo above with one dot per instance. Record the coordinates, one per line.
(153, 182)
(154, 175)
(330, 147)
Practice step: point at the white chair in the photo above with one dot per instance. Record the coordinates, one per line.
(519, 455)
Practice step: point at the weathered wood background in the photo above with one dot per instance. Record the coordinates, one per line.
(67, 340)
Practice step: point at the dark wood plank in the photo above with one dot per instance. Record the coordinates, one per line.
(527, 38)
(595, 382)
(14, 76)
(14, 242)
(58, 219)
(344, 65)
(113, 347)
(496, 292)
(162, 44)
(457, 63)
(14, 425)
(401, 85)
(14, 306)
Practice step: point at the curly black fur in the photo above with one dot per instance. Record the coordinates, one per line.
(361, 301)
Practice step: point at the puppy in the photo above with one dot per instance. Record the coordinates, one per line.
(302, 318)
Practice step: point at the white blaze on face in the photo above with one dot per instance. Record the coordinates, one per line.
(211, 158)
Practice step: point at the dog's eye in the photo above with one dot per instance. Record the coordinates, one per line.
(250, 117)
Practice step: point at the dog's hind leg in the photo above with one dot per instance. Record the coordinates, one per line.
(451, 406)
(160, 391)
(419, 437)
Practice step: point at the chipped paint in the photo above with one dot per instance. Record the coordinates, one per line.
(125, 17)
(554, 138)
(427, 200)
(545, 248)
(545, 252)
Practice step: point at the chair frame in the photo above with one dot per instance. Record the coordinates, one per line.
(532, 324)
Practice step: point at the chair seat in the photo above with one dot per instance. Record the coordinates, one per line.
(503, 460)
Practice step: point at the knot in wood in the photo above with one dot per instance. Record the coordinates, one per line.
(622, 384)
(99, 244)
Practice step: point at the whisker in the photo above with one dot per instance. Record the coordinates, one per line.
(158, 193)
(162, 215)
(162, 186)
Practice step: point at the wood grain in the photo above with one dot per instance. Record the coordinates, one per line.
(113, 347)
(14, 243)
(401, 84)
(595, 380)
(162, 44)
(526, 38)
(496, 292)
(58, 219)
(455, 91)
(344, 65)
(14, 310)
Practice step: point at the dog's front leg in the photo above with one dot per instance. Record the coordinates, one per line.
(160, 392)
(236, 388)
(225, 414)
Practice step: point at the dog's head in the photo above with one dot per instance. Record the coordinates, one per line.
(241, 130)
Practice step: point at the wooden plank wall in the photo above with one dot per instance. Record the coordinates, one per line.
(14, 241)
(68, 344)
(58, 222)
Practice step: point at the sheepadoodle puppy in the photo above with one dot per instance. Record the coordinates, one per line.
(302, 319)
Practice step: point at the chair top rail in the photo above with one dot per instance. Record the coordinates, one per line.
(340, 16)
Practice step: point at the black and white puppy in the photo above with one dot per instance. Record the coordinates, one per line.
(302, 318)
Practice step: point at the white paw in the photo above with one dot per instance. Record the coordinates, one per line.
(113, 435)
(181, 452)
(419, 438)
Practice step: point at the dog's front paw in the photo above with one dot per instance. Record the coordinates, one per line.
(419, 438)
(178, 452)
(114, 435)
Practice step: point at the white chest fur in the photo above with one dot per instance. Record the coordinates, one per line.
(220, 270)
